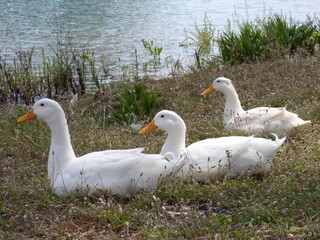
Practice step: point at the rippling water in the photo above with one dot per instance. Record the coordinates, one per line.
(114, 28)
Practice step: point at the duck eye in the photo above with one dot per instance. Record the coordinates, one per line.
(218, 81)
(42, 104)
(162, 116)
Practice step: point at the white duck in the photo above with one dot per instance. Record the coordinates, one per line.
(235, 155)
(258, 120)
(118, 172)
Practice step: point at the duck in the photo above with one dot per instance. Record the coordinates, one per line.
(258, 121)
(115, 172)
(214, 157)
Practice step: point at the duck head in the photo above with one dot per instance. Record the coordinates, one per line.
(45, 110)
(174, 126)
(221, 84)
(165, 120)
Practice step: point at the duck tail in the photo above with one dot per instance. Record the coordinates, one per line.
(301, 125)
(278, 142)
(276, 138)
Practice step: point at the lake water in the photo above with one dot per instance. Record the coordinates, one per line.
(115, 28)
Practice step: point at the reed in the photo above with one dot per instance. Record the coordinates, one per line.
(22, 80)
(17, 78)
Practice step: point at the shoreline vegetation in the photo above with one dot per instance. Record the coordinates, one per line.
(282, 70)
(71, 69)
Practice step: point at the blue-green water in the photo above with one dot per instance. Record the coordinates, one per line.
(114, 28)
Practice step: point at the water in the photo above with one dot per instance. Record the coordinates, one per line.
(115, 28)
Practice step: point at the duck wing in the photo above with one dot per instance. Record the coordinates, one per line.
(233, 155)
(269, 120)
(118, 172)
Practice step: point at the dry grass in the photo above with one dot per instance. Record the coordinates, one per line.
(283, 205)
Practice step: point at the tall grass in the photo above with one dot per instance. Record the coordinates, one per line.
(17, 78)
(65, 68)
(245, 41)
(22, 81)
(247, 45)
(273, 36)
(289, 34)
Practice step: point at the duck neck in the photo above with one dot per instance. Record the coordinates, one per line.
(61, 151)
(233, 106)
(175, 142)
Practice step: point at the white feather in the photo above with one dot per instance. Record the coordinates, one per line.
(119, 172)
(235, 155)
(258, 120)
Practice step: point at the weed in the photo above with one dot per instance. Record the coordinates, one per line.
(155, 52)
(202, 41)
(131, 103)
(152, 50)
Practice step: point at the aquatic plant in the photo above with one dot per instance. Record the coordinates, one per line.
(201, 41)
(155, 52)
(65, 69)
(152, 50)
(21, 80)
(18, 78)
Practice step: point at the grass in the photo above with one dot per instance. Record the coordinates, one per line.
(125, 103)
(282, 205)
(248, 45)
(271, 37)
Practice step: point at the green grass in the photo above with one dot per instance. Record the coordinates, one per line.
(290, 34)
(128, 103)
(247, 45)
(282, 205)
(273, 36)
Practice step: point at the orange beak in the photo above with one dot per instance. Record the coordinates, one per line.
(151, 126)
(209, 90)
(28, 116)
